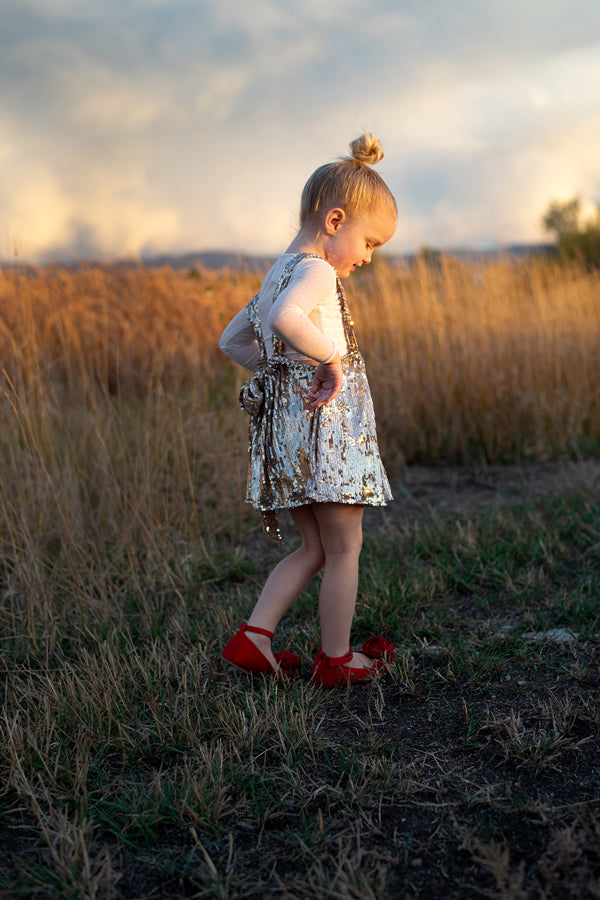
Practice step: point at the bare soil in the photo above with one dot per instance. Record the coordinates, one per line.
(450, 490)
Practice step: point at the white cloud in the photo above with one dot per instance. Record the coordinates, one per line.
(165, 124)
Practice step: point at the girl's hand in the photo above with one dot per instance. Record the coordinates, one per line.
(327, 381)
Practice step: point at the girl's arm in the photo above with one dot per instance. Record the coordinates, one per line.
(239, 342)
(289, 320)
(291, 324)
(289, 315)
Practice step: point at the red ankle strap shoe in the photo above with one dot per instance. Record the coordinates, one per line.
(242, 653)
(332, 671)
(380, 650)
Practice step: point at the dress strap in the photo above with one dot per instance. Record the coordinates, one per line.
(346, 318)
(254, 318)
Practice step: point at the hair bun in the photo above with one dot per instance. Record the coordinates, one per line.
(366, 149)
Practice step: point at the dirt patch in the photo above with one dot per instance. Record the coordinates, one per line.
(426, 490)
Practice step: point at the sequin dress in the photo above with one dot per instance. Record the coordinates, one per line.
(298, 455)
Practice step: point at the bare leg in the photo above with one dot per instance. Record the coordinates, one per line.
(288, 579)
(340, 528)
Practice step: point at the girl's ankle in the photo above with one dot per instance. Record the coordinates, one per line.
(260, 640)
(262, 643)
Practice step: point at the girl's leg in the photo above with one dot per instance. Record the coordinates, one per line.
(288, 578)
(340, 529)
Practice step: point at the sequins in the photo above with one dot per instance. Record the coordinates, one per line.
(298, 455)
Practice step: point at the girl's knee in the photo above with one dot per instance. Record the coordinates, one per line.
(314, 555)
(344, 542)
(311, 547)
(349, 549)
(312, 550)
(341, 530)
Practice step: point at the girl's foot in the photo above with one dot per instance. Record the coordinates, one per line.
(379, 650)
(374, 657)
(250, 651)
(361, 661)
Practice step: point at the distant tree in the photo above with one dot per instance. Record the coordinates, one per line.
(574, 240)
(562, 218)
(582, 245)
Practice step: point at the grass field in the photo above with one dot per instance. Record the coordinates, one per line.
(135, 764)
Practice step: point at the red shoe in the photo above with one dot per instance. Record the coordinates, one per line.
(331, 671)
(242, 653)
(379, 649)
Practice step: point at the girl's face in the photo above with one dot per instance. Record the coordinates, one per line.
(350, 242)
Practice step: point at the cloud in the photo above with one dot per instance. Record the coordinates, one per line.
(113, 216)
(171, 125)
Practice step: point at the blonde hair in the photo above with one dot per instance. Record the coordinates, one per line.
(349, 183)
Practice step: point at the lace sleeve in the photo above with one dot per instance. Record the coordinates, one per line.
(239, 342)
(289, 318)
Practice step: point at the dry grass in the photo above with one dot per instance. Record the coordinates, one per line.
(107, 474)
(132, 764)
(126, 331)
(493, 364)
(122, 447)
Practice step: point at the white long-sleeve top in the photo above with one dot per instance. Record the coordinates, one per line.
(306, 317)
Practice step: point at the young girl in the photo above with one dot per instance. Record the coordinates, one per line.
(313, 447)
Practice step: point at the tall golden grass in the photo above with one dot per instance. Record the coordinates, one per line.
(120, 435)
(113, 444)
(126, 331)
(493, 363)
(496, 362)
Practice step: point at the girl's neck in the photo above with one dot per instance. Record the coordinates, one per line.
(308, 240)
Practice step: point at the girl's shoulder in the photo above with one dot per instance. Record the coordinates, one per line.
(310, 274)
(313, 271)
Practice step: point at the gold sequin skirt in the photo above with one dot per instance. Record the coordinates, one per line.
(298, 455)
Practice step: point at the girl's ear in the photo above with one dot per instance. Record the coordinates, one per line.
(333, 219)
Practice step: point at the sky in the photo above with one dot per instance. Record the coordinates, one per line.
(138, 127)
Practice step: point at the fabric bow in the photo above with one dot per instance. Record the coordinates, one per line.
(252, 395)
